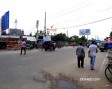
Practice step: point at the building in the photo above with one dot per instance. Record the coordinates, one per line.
(16, 32)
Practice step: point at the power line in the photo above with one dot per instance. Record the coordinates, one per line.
(106, 9)
(87, 23)
(73, 10)
(65, 12)
(109, 8)
(73, 6)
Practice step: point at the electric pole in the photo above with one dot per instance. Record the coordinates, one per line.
(37, 24)
(45, 24)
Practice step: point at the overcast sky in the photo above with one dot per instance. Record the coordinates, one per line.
(71, 15)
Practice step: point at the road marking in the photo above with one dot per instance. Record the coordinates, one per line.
(8, 52)
(19, 67)
(26, 58)
(48, 54)
(103, 64)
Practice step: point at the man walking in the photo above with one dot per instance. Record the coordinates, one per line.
(92, 50)
(80, 52)
(23, 47)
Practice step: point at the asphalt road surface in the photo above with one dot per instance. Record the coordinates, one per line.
(38, 68)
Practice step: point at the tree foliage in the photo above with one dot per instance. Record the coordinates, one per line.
(60, 37)
(78, 39)
(111, 34)
(64, 38)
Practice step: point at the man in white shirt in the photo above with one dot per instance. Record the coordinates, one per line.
(92, 50)
(23, 47)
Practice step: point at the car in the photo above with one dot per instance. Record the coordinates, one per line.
(49, 45)
(104, 46)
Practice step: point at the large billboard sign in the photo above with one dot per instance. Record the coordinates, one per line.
(47, 38)
(84, 32)
(5, 21)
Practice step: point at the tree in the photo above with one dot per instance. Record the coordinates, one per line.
(78, 39)
(83, 39)
(111, 34)
(60, 37)
(30, 34)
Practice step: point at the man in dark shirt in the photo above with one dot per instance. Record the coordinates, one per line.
(80, 52)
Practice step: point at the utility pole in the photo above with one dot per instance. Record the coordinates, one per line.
(45, 24)
(67, 33)
(37, 24)
(16, 23)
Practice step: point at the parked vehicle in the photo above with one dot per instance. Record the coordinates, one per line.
(104, 46)
(49, 45)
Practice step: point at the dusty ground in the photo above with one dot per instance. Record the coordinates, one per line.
(57, 68)
(72, 72)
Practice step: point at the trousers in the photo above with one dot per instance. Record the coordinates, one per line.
(80, 61)
(23, 48)
(92, 61)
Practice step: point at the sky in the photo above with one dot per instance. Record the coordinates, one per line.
(65, 15)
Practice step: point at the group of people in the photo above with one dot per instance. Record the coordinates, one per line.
(80, 52)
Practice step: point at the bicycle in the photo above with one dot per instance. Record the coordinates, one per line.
(108, 69)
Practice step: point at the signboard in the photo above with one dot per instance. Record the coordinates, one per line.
(47, 38)
(84, 32)
(5, 21)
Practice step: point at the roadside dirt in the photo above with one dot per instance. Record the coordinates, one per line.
(69, 73)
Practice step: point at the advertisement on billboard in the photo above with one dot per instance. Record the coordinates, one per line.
(5, 21)
(47, 38)
(84, 32)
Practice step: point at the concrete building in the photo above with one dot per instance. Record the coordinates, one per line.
(16, 32)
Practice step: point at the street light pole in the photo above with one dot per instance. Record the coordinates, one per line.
(45, 24)
(37, 24)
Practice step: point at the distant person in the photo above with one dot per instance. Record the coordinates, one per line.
(92, 50)
(23, 47)
(80, 52)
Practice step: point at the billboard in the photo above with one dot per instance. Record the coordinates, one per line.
(47, 38)
(84, 32)
(5, 21)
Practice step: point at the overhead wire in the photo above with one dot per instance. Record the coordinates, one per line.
(109, 8)
(65, 12)
(87, 23)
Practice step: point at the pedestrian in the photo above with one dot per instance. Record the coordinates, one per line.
(92, 50)
(80, 52)
(23, 47)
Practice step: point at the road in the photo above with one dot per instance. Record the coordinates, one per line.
(26, 71)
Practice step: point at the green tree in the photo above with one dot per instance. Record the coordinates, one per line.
(78, 39)
(83, 39)
(30, 34)
(60, 37)
(111, 34)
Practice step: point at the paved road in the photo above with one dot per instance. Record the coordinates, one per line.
(24, 71)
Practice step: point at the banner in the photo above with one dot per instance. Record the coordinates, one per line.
(84, 32)
(5, 21)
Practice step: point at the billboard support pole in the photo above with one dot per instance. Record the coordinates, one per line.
(45, 23)
(87, 37)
